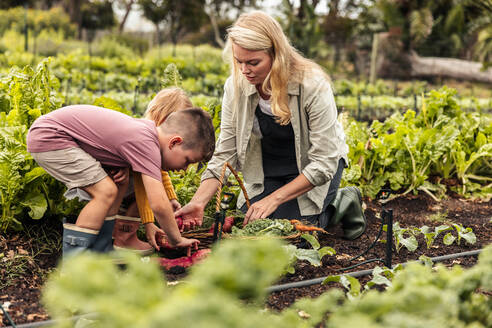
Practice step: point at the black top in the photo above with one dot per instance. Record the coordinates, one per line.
(277, 147)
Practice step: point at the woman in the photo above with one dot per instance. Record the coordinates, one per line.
(279, 127)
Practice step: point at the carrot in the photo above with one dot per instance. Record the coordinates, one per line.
(299, 226)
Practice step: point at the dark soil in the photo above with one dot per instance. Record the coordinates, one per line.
(35, 251)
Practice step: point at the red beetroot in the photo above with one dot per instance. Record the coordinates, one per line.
(179, 222)
(185, 261)
(200, 255)
(227, 227)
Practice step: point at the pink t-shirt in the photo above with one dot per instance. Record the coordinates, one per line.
(112, 138)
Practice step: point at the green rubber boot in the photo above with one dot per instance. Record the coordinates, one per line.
(348, 210)
(77, 240)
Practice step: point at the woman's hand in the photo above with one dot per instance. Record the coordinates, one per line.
(153, 233)
(261, 209)
(192, 214)
(266, 206)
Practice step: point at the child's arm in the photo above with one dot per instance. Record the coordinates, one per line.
(146, 214)
(168, 185)
(160, 205)
(141, 198)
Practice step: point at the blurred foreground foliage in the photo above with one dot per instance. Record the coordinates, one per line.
(228, 290)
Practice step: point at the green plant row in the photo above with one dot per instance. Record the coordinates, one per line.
(26, 190)
(228, 290)
(368, 108)
(440, 149)
(407, 237)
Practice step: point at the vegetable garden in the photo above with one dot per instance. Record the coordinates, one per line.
(429, 155)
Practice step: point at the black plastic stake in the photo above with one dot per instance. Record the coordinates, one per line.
(389, 236)
(219, 222)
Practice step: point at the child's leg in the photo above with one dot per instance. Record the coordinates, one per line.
(77, 169)
(104, 195)
(106, 201)
(104, 241)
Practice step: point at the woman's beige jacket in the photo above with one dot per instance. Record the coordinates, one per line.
(319, 138)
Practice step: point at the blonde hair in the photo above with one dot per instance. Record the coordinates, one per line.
(257, 31)
(165, 102)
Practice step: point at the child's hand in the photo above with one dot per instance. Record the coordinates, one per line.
(176, 205)
(120, 175)
(153, 233)
(189, 243)
(192, 214)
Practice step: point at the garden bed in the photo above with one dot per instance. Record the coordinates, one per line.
(27, 257)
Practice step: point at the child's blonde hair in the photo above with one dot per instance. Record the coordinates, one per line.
(165, 102)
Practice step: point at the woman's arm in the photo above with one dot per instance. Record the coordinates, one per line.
(192, 213)
(326, 138)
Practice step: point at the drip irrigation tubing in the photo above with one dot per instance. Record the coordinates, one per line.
(356, 274)
(53, 322)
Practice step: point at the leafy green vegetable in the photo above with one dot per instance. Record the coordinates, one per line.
(265, 227)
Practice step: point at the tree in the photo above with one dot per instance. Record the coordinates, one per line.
(436, 29)
(127, 5)
(97, 15)
(184, 16)
(223, 8)
(154, 11)
(482, 27)
(339, 24)
(181, 16)
(303, 25)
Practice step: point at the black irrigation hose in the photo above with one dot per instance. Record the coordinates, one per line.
(8, 317)
(368, 248)
(361, 263)
(51, 322)
(304, 283)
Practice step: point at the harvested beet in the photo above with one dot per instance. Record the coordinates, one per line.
(200, 254)
(179, 222)
(185, 261)
(227, 227)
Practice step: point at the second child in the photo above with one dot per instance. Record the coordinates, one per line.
(74, 143)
